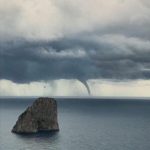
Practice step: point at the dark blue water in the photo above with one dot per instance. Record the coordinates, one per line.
(85, 124)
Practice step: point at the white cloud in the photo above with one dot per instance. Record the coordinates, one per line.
(48, 19)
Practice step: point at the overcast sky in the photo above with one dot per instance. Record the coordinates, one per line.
(67, 47)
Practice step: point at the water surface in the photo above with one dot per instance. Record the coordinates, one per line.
(85, 124)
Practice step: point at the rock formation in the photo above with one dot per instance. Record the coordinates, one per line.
(41, 116)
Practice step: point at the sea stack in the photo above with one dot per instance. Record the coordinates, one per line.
(41, 116)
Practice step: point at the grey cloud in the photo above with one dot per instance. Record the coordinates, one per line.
(107, 56)
(74, 43)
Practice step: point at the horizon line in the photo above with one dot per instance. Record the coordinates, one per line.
(81, 97)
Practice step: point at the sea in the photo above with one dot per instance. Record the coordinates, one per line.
(85, 124)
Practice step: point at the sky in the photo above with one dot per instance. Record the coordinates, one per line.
(75, 48)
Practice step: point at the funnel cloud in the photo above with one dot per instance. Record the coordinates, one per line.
(86, 86)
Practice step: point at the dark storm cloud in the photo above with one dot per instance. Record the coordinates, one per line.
(47, 40)
(80, 57)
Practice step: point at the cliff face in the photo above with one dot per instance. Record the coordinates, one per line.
(41, 116)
